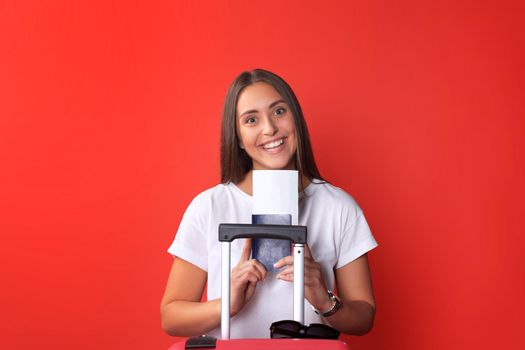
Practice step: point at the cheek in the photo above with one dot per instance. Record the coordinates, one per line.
(288, 125)
(292, 134)
(245, 137)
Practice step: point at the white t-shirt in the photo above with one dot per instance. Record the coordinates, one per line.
(337, 234)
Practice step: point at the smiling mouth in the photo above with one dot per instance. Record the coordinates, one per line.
(273, 144)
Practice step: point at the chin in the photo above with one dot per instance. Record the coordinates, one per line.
(276, 166)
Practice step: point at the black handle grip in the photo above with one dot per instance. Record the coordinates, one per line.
(229, 232)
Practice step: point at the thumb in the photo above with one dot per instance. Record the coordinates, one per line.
(246, 251)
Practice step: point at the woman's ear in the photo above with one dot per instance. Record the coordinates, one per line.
(241, 145)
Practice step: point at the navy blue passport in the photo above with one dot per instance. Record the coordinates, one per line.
(266, 250)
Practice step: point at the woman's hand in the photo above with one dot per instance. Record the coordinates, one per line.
(315, 290)
(244, 279)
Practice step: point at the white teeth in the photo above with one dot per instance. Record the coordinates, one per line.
(273, 144)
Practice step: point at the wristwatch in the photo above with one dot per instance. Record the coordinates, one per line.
(337, 305)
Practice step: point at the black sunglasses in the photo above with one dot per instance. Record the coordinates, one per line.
(294, 329)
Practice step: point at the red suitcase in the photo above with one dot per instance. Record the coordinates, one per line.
(230, 232)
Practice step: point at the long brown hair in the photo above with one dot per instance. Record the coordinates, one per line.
(235, 162)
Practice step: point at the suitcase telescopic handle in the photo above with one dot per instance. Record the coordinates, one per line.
(230, 232)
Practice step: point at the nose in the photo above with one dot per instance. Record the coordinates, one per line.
(269, 127)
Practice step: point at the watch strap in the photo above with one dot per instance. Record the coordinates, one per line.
(335, 307)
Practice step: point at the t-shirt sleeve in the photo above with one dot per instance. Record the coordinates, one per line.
(355, 241)
(190, 242)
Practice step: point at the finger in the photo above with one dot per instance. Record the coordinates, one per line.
(246, 268)
(260, 267)
(287, 260)
(255, 276)
(246, 251)
(250, 265)
(312, 271)
(255, 270)
(285, 271)
(310, 268)
(307, 252)
(245, 278)
(285, 277)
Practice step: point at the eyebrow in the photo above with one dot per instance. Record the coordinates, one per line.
(255, 111)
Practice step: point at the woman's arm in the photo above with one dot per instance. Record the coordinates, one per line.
(354, 288)
(182, 312)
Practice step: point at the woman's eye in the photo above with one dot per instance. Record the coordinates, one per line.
(250, 120)
(280, 111)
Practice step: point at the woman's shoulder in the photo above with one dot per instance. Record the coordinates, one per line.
(217, 193)
(212, 191)
(326, 192)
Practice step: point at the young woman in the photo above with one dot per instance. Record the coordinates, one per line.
(263, 128)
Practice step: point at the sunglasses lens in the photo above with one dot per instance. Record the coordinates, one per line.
(294, 329)
(285, 329)
(274, 335)
(290, 326)
(318, 330)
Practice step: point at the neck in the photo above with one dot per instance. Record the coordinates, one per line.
(246, 184)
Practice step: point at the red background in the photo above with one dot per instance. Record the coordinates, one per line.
(110, 114)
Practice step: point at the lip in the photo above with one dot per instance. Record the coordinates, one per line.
(273, 140)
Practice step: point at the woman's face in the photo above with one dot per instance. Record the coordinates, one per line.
(265, 128)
